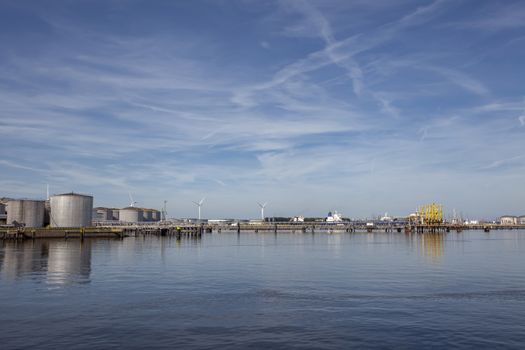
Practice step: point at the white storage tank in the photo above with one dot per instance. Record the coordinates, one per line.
(131, 215)
(147, 215)
(102, 214)
(47, 212)
(508, 220)
(156, 215)
(71, 210)
(26, 211)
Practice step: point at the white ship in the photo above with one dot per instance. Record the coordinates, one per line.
(387, 218)
(334, 217)
(299, 218)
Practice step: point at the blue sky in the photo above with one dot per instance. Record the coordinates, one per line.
(359, 106)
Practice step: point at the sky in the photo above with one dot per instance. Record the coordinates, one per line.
(363, 107)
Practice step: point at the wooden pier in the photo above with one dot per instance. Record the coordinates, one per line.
(21, 233)
(361, 227)
(66, 233)
(197, 230)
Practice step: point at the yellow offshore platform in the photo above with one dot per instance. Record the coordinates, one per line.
(430, 214)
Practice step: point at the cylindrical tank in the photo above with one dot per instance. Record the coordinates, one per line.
(156, 215)
(26, 211)
(147, 215)
(2, 209)
(115, 213)
(103, 214)
(130, 214)
(47, 212)
(71, 210)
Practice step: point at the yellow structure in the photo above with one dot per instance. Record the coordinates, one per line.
(430, 214)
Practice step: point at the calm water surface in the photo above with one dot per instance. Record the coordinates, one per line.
(265, 291)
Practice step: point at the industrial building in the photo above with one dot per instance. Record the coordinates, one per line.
(147, 215)
(134, 215)
(25, 212)
(508, 220)
(156, 215)
(71, 210)
(3, 215)
(125, 215)
(103, 214)
(47, 212)
(130, 214)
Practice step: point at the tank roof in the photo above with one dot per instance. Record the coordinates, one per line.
(132, 208)
(72, 194)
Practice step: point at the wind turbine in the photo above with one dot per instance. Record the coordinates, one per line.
(132, 203)
(199, 204)
(262, 209)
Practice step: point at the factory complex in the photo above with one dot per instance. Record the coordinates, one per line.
(74, 210)
(69, 210)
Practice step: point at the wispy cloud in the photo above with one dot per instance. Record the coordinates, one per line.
(500, 16)
(305, 94)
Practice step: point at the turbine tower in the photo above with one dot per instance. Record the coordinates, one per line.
(199, 204)
(262, 209)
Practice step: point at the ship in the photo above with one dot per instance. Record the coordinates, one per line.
(334, 217)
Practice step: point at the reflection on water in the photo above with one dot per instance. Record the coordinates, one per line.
(432, 245)
(62, 262)
(265, 290)
(429, 245)
(18, 258)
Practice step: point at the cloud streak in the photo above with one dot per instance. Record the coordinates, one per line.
(300, 103)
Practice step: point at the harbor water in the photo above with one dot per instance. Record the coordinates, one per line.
(266, 291)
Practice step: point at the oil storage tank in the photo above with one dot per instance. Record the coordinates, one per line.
(102, 214)
(71, 210)
(156, 215)
(131, 214)
(47, 212)
(147, 215)
(26, 211)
